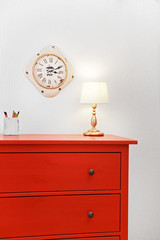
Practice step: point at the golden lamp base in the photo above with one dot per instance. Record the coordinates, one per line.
(93, 132)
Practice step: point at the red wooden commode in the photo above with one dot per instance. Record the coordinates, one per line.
(64, 187)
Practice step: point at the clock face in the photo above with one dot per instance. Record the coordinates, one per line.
(49, 71)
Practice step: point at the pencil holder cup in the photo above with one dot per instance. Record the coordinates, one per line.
(11, 126)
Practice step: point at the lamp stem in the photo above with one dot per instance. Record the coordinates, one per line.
(93, 131)
(94, 118)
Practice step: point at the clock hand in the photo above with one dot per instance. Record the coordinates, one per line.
(58, 67)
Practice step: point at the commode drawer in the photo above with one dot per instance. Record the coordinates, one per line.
(27, 172)
(49, 215)
(52, 238)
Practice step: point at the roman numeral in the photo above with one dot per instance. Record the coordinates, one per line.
(60, 72)
(49, 81)
(61, 80)
(51, 60)
(58, 77)
(39, 69)
(44, 60)
(40, 75)
(43, 80)
(41, 64)
(56, 61)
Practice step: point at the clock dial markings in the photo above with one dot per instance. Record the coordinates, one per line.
(59, 77)
(50, 71)
(40, 75)
(43, 80)
(61, 80)
(51, 60)
(56, 61)
(45, 60)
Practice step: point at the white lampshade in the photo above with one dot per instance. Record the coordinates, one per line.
(94, 92)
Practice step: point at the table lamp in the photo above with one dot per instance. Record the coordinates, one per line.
(94, 92)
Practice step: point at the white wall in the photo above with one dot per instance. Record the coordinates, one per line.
(117, 41)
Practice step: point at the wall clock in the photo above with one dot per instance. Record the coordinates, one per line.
(49, 71)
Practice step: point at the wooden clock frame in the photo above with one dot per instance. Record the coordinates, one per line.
(30, 67)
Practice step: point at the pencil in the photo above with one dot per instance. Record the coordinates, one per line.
(5, 114)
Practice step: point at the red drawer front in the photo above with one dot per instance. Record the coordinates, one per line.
(59, 171)
(95, 238)
(51, 237)
(47, 215)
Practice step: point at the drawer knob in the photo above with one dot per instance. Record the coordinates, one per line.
(90, 214)
(91, 172)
